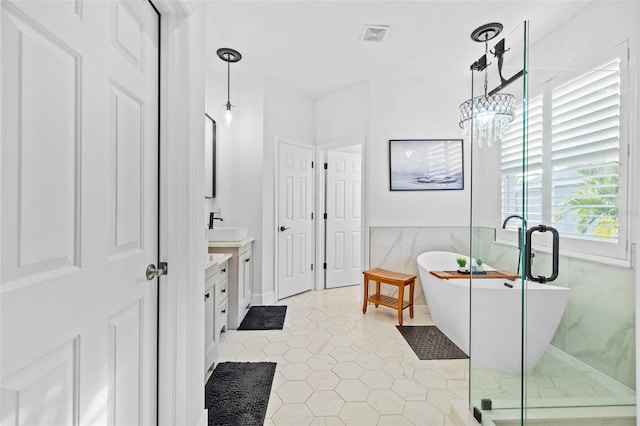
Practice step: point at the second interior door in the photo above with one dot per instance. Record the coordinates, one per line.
(295, 223)
(343, 223)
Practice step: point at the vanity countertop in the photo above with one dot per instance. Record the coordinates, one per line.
(231, 243)
(216, 258)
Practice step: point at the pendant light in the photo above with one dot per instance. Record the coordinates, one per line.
(487, 117)
(228, 55)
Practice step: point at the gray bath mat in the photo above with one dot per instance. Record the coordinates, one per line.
(428, 342)
(237, 393)
(264, 318)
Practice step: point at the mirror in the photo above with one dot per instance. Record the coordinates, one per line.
(209, 157)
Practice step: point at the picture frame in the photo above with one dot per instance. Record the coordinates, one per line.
(426, 164)
(209, 156)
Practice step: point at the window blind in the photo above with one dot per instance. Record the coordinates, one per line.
(513, 174)
(585, 155)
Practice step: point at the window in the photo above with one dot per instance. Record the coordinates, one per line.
(585, 156)
(576, 162)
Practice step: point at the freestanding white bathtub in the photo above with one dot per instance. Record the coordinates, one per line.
(495, 311)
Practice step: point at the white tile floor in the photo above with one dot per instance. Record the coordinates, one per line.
(337, 366)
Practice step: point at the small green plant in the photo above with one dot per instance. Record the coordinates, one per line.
(462, 262)
(479, 262)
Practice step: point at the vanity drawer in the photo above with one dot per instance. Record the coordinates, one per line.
(222, 313)
(223, 270)
(222, 290)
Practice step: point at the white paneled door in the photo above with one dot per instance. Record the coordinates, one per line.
(79, 212)
(343, 224)
(295, 223)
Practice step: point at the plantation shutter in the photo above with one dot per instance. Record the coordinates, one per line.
(585, 153)
(511, 164)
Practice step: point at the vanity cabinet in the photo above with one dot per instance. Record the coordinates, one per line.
(216, 281)
(240, 278)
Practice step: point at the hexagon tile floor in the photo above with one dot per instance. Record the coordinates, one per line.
(337, 366)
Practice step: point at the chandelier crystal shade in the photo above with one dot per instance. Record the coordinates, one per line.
(487, 118)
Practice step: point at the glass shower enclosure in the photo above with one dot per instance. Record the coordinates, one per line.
(552, 288)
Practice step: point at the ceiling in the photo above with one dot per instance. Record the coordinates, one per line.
(314, 46)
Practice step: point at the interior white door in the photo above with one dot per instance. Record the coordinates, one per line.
(295, 223)
(79, 212)
(343, 224)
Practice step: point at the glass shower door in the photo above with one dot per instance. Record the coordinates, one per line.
(582, 90)
(499, 179)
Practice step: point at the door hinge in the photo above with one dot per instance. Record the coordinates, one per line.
(311, 215)
(312, 266)
(326, 166)
(312, 164)
(325, 216)
(324, 265)
(477, 414)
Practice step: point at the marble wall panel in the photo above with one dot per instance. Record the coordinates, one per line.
(397, 248)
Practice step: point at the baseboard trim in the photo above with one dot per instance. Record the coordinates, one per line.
(267, 298)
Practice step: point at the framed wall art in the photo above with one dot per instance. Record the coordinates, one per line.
(425, 164)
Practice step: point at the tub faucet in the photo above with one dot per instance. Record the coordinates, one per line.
(508, 218)
(212, 217)
(504, 225)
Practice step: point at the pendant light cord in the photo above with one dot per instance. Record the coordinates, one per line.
(486, 70)
(229, 81)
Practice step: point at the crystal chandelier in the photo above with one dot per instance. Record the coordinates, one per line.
(487, 118)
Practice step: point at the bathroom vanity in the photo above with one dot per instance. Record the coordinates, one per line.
(240, 277)
(216, 311)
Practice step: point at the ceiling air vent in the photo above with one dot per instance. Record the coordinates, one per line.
(374, 33)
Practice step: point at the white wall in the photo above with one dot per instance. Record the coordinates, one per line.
(239, 160)
(287, 115)
(216, 96)
(413, 109)
(343, 115)
(381, 110)
(246, 160)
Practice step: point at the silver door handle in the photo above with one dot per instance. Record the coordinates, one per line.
(283, 228)
(153, 272)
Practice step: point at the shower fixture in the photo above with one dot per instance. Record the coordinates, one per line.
(228, 55)
(487, 117)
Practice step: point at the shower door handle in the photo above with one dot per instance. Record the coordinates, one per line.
(555, 254)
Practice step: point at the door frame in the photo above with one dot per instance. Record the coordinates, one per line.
(276, 209)
(322, 151)
(182, 245)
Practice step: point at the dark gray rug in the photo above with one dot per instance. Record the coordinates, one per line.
(264, 318)
(237, 393)
(428, 342)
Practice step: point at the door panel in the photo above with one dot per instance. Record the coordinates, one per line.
(295, 192)
(79, 212)
(343, 225)
(33, 246)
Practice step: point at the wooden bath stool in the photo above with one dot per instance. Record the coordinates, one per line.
(397, 279)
